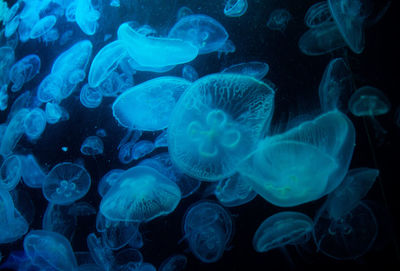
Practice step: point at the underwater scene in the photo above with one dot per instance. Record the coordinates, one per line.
(171, 135)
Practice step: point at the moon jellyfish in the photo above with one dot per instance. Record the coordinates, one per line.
(161, 140)
(235, 8)
(141, 194)
(368, 101)
(12, 224)
(100, 254)
(66, 183)
(350, 192)
(86, 16)
(347, 237)
(217, 123)
(318, 14)
(279, 19)
(32, 174)
(50, 89)
(12, 26)
(10, 172)
(174, 263)
(57, 219)
(108, 180)
(234, 191)
(90, 97)
(148, 106)
(101, 133)
(35, 123)
(350, 16)
(92, 145)
(189, 73)
(13, 132)
(156, 52)
(228, 47)
(6, 61)
(23, 71)
(335, 86)
(281, 229)
(304, 163)
(129, 259)
(43, 26)
(202, 31)
(49, 250)
(55, 113)
(254, 69)
(3, 98)
(208, 229)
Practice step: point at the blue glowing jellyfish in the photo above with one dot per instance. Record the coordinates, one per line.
(32, 174)
(86, 16)
(189, 73)
(368, 101)
(6, 61)
(35, 123)
(174, 263)
(279, 19)
(235, 8)
(90, 97)
(24, 70)
(108, 180)
(140, 195)
(208, 229)
(318, 14)
(81, 208)
(49, 250)
(66, 183)
(204, 32)
(304, 163)
(92, 145)
(148, 106)
(43, 26)
(100, 254)
(10, 172)
(182, 12)
(234, 191)
(57, 219)
(281, 229)
(347, 237)
(13, 132)
(217, 123)
(255, 69)
(335, 86)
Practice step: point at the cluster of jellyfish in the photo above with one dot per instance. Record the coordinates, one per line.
(210, 130)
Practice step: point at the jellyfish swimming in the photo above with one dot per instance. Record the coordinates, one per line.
(66, 183)
(35, 123)
(279, 19)
(255, 69)
(368, 101)
(23, 71)
(234, 191)
(90, 97)
(318, 14)
(92, 145)
(154, 195)
(217, 123)
(10, 172)
(235, 8)
(43, 26)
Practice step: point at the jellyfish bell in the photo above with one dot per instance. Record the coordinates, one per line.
(369, 101)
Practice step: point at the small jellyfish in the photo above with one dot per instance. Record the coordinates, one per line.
(182, 12)
(318, 14)
(86, 16)
(92, 145)
(23, 71)
(101, 133)
(81, 208)
(35, 123)
(255, 69)
(279, 19)
(32, 174)
(3, 98)
(10, 172)
(49, 250)
(235, 8)
(217, 123)
(208, 229)
(228, 47)
(57, 219)
(43, 26)
(189, 73)
(55, 113)
(100, 254)
(174, 263)
(368, 101)
(90, 97)
(108, 180)
(204, 32)
(234, 191)
(281, 229)
(66, 183)
(141, 194)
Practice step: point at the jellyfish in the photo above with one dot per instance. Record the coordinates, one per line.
(6, 61)
(182, 12)
(66, 183)
(10, 172)
(43, 26)
(279, 19)
(81, 208)
(92, 145)
(90, 97)
(228, 47)
(128, 259)
(57, 219)
(347, 237)
(217, 123)
(12, 26)
(317, 15)
(148, 106)
(189, 73)
(3, 98)
(86, 16)
(70, 11)
(12, 224)
(350, 192)
(156, 52)
(304, 163)
(235, 8)
(35, 123)
(335, 86)
(31, 172)
(204, 32)
(108, 180)
(281, 229)
(24, 70)
(208, 229)
(50, 88)
(234, 191)
(55, 113)
(49, 250)
(175, 262)
(140, 195)
(13, 132)
(161, 140)
(255, 69)
(100, 254)
(141, 149)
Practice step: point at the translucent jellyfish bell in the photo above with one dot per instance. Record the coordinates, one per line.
(318, 14)
(255, 69)
(217, 123)
(235, 8)
(92, 145)
(66, 183)
(304, 163)
(368, 101)
(10, 172)
(347, 237)
(140, 195)
(279, 19)
(282, 229)
(234, 191)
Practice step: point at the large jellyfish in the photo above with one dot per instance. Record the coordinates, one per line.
(208, 230)
(304, 163)
(217, 123)
(141, 194)
(148, 106)
(281, 229)
(66, 183)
